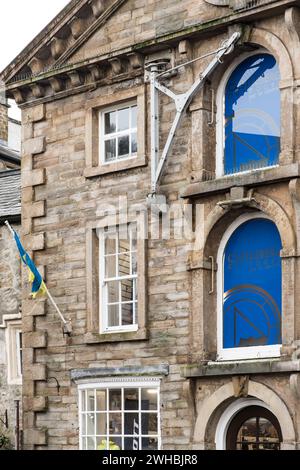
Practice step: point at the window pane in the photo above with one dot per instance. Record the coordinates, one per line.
(90, 400)
(131, 443)
(133, 143)
(115, 400)
(102, 443)
(134, 263)
(131, 423)
(115, 423)
(123, 146)
(91, 443)
(123, 119)
(124, 264)
(113, 316)
(83, 443)
(124, 243)
(90, 424)
(101, 423)
(113, 292)
(127, 290)
(149, 399)
(83, 400)
(150, 443)
(110, 122)
(115, 443)
(100, 400)
(127, 314)
(110, 150)
(83, 424)
(134, 117)
(131, 399)
(149, 423)
(110, 244)
(110, 266)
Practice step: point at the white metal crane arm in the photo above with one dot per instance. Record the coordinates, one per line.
(182, 101)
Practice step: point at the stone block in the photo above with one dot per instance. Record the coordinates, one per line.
(37, 209)
(34, 114)
(34, 146)
(33, 178)
(35, 242)
(35, 340)
(36, 308)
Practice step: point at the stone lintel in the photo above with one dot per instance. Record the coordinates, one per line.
(221, 369)
(248, 179)
(104, 372)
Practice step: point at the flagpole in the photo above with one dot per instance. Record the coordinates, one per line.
(54, 305)
(67, 326)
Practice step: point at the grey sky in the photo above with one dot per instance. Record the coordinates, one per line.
(21, 21)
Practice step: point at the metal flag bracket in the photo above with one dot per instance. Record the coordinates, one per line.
(182, 101)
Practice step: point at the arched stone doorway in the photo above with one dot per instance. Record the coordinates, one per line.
(217, 411)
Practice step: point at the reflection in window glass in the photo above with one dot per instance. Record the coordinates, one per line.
(252, 115)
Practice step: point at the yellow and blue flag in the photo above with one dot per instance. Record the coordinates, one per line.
(38, 285)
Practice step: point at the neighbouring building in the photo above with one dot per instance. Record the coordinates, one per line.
(179, 341)
(10, 281)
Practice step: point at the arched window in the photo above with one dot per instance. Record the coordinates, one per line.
(249, 290)
(254, 428)
(252, 115)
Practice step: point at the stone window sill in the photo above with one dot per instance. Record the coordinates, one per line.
(97, 338)
(248, 179)
(121, 165)
(221, 369)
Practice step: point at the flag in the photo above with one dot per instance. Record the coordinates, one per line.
(38, 285)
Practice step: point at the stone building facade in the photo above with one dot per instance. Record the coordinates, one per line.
(178, 342)
(10, 284)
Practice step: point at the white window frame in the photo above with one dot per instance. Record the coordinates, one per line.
(103, 304)
(231, 354)
(13, 351)
(104, 137)
(220, 119)
(123, 383)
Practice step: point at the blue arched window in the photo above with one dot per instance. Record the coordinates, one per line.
(252, 115)
(252, 286)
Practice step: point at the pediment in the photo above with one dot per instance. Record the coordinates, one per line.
(62, 38)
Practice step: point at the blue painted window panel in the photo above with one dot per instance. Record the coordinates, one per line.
(252, 115)
(252, 286)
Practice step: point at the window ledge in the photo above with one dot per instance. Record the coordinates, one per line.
(97, 338)
(249, 179)
(262, 366)
(78, 375)
(114, 167)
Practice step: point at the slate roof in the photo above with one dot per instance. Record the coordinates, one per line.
(10, 193)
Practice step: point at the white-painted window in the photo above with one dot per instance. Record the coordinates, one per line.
(118, 132)
(120, 415)
(14, 352)
(118, 280)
